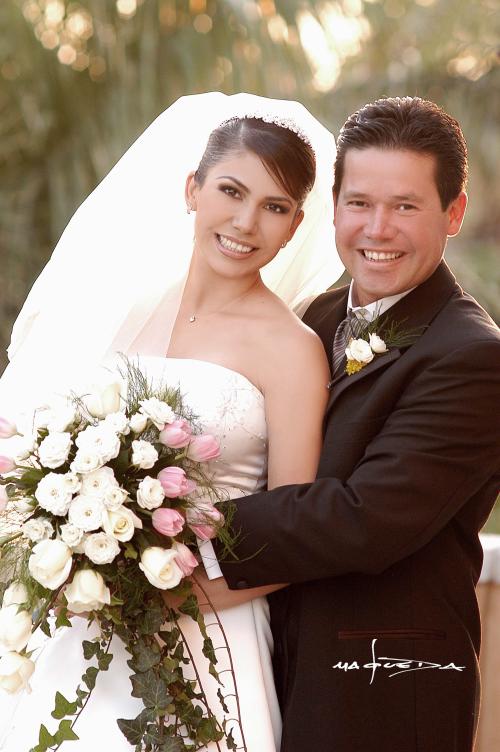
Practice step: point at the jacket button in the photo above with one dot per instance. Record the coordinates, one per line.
(241, 584)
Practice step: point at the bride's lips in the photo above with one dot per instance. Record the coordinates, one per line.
(233, 248)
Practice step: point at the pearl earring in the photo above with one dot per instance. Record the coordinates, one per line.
(189, 208)
(284, 244)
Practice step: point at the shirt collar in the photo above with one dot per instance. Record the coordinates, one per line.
(372, 310)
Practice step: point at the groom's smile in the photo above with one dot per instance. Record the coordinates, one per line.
(391, 229)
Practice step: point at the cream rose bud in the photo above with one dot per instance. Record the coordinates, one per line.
(377, 344)
(87, 592)
(53, 495)
(160, 567)
(360, 350)
(138, 422)
(101, 548)
(38, 529)
(157, 411)
(120, 523)
(104, 397)
(70, 534)
(50, 563)
(15, 672)
(15, 628)
(150, 493)
(24, 448)
(15, 593)
(144, 455)
(7, 429)
(54, 450)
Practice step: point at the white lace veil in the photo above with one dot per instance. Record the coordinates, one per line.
(125, 253)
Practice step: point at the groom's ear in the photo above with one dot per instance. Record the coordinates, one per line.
(190, 191)
(456, 212)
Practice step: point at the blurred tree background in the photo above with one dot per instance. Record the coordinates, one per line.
(79, 80)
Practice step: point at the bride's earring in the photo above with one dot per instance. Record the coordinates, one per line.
(284, 244)
(189, 208)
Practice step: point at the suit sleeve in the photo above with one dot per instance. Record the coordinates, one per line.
(438, 448)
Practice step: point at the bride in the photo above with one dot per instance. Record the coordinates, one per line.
(127, 277)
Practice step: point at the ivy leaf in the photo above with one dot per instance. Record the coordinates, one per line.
(130, 552)
(222, 700)
(135, 728)
(90, 649)
(65, 733)
(172, 745)
(145, 656)
(230, 743)
(62, 618)
(81, 694)
(63, 707)
(153, 619)
(104, 660)
(44, 626)
(208, 650)
(151, 689)
(190, 607)
(90, 676)
(45, 739)
(208, 731)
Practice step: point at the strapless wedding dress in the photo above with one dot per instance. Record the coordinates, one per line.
(229, 406)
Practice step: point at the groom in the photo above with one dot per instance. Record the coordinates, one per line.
(377, 637)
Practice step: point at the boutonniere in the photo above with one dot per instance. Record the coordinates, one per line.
(368, 344)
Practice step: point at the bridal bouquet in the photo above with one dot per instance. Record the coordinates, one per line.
(100, 510)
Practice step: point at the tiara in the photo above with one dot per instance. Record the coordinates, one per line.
(282, 122)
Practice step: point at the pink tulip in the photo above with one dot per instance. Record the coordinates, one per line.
(7, 429)
(174, 482)
(176, 435)
(204, 520)
(3, 498)
(203, 448)
(168, 521)
(7, 464)
(185, 559)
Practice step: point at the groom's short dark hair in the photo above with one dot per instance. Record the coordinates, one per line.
(408, 124)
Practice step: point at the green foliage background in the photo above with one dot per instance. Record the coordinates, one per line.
(80, 80)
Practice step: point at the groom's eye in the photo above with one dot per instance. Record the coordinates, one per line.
(406, 207)
(357, 203)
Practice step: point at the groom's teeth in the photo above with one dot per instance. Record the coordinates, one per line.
(375, 256)
(232, 246)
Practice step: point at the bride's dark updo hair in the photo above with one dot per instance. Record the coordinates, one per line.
(288, 158)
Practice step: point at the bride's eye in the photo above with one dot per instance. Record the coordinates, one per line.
(229, 190)
(278, 208)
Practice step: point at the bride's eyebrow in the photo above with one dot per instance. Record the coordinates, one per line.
(244, 188)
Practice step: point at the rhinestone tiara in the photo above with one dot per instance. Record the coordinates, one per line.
(282, 122)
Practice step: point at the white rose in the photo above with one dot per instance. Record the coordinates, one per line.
(157, 411)
(41, 417)
(80, 547)
(377, 344)
(360, 350)
(70, 534)
(54, 450)
(61, 418)
(160, 567)
(101, 548)
(15, 593)
(117, 422)
(150, 493)
(72, 482)
(87, 592)
(98, 482)
(85, 512)
(50, 563)
(144, 455)
(138, 422)
(15, 628)
(104, 396)
(15, 672)
(120, 523)
(86, 461)
(99, 440)
(52, 494)
(38, 529)
(114, 498)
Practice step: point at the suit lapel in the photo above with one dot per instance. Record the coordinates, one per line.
(414, 311)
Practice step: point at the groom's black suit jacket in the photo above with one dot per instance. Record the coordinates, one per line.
(384, 544)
